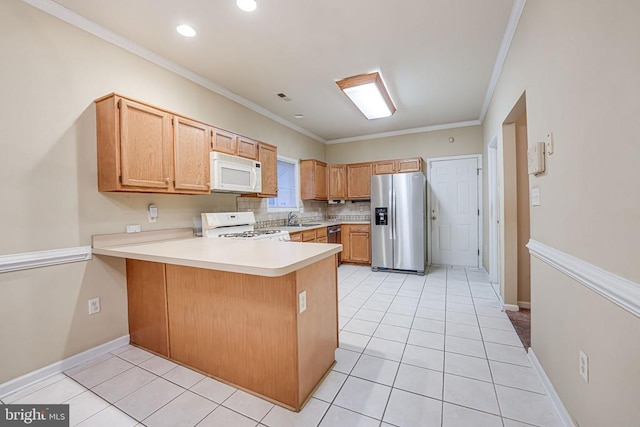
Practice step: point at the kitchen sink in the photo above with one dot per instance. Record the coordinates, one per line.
(303, 225)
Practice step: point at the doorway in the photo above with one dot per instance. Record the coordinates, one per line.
(454, 211)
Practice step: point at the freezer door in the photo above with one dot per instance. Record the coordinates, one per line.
(381, 222)
(409, 223)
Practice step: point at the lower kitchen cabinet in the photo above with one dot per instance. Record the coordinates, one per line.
(356, 243)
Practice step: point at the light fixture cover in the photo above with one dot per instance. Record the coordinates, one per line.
(369, 94)
(186, 30)
(247, 5)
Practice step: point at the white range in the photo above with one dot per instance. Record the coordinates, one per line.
(237, 225)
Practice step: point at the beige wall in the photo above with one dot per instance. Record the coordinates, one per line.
(51, 72)
(468, 140)
(577, 63)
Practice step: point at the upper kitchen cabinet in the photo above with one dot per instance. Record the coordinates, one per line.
(191, 155)
(230, 143)
(409, 165)
(313, 180)
(337, 182)
(359, 180)
(247, 148)
(268, 158)
(223, 141)
(139, 152)
(397, 166)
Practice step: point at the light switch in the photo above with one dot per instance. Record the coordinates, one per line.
(535, 196)
(549, 143)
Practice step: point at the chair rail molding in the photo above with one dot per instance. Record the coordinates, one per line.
(28, 260)
(616, 289)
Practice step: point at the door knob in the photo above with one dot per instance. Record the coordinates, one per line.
(433, 218)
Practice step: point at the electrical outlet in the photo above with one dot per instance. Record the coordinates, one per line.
(152, 213)
(584, 366)
(94, 305)
(302, 300)
(133, 228)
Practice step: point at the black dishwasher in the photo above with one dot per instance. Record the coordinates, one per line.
(333, 236)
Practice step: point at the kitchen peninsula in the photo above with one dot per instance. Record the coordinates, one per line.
(259, 314)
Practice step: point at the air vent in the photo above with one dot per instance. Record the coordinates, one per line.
(283, 96)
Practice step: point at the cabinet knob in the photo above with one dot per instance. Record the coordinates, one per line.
(167, 180)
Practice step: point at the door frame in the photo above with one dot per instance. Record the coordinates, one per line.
(494, 212)
(430, 161)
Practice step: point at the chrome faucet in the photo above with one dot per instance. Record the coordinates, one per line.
(291, 218)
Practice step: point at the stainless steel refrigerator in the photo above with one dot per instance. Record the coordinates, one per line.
(398, 223)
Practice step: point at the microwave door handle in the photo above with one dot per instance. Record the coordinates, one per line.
(254, 178)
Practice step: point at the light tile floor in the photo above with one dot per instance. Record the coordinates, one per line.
(414, 351)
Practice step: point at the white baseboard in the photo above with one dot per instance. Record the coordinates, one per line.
(524, 304)
(510, 307)
(563, 414)
(33, 377)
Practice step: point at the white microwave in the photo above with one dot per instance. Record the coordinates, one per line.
(234, 174)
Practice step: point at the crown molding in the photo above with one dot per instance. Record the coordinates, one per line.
(509, 33)
(101, 32)
(405, 132)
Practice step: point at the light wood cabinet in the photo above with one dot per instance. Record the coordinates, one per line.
(191, 155)
(387, 166)
(139, 151)
(223, 141)
(317, 235)
(337, 182)
(247, 147)
(147, 302)
(397, 166)
(236, 145)
(216, 322)
(268, 158)
(409, 165)
(356, 243)
(296, 237)
(313, 180)
(359, 180)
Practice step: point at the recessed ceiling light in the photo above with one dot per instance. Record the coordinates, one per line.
(298, 116)
(247, 5)
(186, 30)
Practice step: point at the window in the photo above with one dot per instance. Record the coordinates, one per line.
(288, 186)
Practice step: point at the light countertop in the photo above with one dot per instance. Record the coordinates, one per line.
(257, 257)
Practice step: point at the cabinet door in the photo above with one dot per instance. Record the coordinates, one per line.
(145, 146)
(268, 158)
(296, 237)
(247, 148)
(387, 166)
(337, 182)
(223, 141)
(359, 247)
(191, 155)
(346, 243)
(359, 181)
(309, 236)
(321, 181)
(410, 165)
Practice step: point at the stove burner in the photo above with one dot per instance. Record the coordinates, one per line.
(249, 234)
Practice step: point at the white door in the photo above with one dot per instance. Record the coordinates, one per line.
(454, 212)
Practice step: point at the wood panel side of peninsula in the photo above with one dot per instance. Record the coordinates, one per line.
(246, 330)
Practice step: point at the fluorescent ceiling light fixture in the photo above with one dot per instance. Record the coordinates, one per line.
(247, 5)
(186, 30)
(369, 94)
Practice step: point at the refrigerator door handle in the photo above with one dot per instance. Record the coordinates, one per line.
(393, 215)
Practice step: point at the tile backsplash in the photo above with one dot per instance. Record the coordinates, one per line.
(313, 211)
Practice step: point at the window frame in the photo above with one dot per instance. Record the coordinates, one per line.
(296, 165)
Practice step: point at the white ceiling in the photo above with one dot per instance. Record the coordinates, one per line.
(436, 56)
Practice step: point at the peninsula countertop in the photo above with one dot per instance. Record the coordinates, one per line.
(257, 257)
